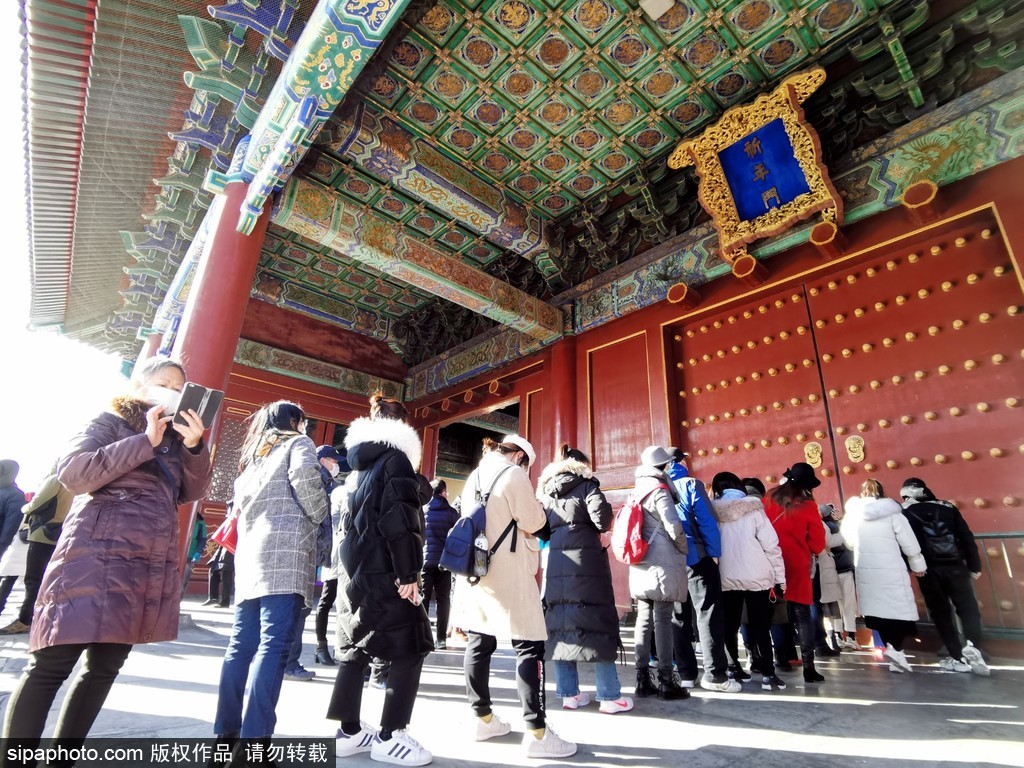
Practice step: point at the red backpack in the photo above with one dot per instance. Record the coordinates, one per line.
(628, 543)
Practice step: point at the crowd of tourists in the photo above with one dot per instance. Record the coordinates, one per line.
(721, 564)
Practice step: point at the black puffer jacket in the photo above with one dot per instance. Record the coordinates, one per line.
(440, 517)
(842, 554)
(581, 618)
(382, 542)
(926, 511)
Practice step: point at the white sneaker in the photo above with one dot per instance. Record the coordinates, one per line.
(848, 644)
(359, 742)
(681, 682)
(400, 749)
(973, 657)
(552, 745)
(623, 704)
(899, 658)
(894, 668)
(581, 699)
(949, 664)
(497, 727)
(726, 686)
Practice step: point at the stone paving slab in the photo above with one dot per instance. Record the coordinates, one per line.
(862, 715)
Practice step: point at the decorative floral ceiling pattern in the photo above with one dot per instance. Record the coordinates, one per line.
(557, 102)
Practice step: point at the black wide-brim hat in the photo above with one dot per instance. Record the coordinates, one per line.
(802, 476)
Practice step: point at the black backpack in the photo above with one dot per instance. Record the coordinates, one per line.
(939, 541)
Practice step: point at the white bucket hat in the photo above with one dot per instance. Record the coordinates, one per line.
(655, 456)
(523, 444)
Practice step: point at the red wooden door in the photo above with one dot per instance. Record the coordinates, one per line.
(907, 364)
(921, 358)
(749, 394)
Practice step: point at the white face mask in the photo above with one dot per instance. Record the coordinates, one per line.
(334, 469)
(168, 398)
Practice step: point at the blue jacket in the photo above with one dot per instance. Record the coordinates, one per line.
(440, 516)
(693, 504)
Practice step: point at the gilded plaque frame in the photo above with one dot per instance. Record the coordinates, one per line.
(714, 192)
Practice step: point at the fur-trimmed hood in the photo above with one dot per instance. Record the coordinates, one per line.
(874, 509)
(731, 510)
(391, 433)
(561, 476)
(132, 410)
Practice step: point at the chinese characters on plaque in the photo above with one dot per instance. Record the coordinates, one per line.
(760, 169)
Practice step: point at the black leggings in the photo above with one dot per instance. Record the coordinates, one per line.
(46, 672)
(529, 676)
(403, 681)
(323, 610)
(437, 583)
(759, 618)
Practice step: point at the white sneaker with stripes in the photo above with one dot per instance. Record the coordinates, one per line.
(400, 749)
(353, 745)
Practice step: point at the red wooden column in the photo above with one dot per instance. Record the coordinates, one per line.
(212, 321)
(561, 400)
(213, 317)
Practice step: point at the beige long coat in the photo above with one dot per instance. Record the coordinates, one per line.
(506, 602)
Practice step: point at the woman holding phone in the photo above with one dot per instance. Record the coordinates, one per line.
(115, 577)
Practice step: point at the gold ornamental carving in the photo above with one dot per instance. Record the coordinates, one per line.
(812, 454)
(855, 448)
(736, 129)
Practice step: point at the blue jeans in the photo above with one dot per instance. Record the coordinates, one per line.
(254, 665)
(295, 652)
(567, 680)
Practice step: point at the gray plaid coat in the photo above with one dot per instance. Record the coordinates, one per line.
(282, 501)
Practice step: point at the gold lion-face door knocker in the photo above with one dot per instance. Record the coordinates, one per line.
(855, 448)
(812, 454)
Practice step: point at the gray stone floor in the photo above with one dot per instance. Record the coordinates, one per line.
(862, 715)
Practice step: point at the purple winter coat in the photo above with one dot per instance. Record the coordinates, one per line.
(115, 576)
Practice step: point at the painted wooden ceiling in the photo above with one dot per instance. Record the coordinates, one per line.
(557, 116)
(519, 143)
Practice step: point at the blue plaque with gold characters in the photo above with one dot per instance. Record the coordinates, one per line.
(760, 168)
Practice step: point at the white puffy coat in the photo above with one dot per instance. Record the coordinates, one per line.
(877, 532)
(831, 592)
(751, 559)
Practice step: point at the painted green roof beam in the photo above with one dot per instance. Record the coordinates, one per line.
(386, 149)
(320, 214)
(335, 46)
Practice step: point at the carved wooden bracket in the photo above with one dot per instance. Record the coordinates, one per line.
(749, 270)
(683, 295)
(829, 241)
(920, 201)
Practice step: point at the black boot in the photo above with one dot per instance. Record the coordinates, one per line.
(644, 685)
(668, 690)
(810, 673)
(736, 671)
(323, 656)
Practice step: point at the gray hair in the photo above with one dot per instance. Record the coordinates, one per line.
(153, 366)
